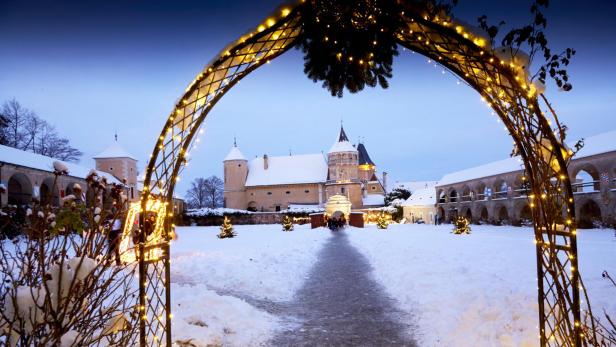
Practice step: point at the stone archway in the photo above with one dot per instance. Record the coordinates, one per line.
(457, 49)
(590, 214)
(19, 190)
(49, 193)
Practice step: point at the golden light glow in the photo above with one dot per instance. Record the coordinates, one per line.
(366, 167)
(155, 208)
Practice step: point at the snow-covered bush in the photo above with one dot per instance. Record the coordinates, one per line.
(61, 286)
(217, 212)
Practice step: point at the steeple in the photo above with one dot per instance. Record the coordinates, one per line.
(343, 136)
(343, 144)
(234, 153)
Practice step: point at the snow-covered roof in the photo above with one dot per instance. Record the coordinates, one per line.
(413, 186)
(342, 146)
(18, 157)
(422, 197)
(491, 169)
(374, 200)
(593, 145)
(290, 169)
(114, 151)
(601, 143)
(235, 154)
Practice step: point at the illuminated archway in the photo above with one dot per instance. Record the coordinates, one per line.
(466, 55)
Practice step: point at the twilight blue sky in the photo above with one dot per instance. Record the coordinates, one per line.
(96, 67)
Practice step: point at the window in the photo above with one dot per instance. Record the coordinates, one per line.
(288, 192)
(252, 194)
(111, 168)
(342, 190)
(373, 187)
(277, 208)
(239, 165)
(269, 193)
(132, 193)
(306, 191)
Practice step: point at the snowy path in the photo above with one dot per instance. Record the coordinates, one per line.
(341, 304)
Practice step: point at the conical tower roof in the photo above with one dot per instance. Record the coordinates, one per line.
(364, 158)
(114, 151)
(343, 144)
(234, 154)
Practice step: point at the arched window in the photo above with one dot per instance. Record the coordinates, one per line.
(19, 190)
(453, 196)
(442, 197)
(500, 190)
(481, 190)
(586, 181)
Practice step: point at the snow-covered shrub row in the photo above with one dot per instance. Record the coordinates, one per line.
(220, 211)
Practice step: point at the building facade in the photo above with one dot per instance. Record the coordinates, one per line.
(25, 176)
(497, 192)
(273, 183)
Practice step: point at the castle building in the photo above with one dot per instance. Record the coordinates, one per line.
(122, 165)
(278, 183)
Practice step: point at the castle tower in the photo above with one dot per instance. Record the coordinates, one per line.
(122, 165)
(343, 172)
(236, 171)
(367, 167)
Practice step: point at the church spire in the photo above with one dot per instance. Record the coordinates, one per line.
(343, 136)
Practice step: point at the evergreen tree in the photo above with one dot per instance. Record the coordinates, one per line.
(382, 222)
(287, 223)
(397, 195)
(226, 229)
(462, 226)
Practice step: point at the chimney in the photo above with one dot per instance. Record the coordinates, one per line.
(385, 181)
(265, 162)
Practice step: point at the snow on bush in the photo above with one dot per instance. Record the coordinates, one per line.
(59, 286)
(221, 211)
(60, 167)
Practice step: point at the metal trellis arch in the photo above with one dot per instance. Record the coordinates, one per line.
(515, 101)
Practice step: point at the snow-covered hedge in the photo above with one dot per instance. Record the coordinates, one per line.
(221, 211)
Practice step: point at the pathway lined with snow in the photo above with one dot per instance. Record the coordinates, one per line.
(340, 304)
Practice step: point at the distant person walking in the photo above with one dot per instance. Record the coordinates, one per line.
(115, 237)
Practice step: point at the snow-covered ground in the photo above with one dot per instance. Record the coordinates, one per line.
(471, 290)
(211, 277)
(478, 289)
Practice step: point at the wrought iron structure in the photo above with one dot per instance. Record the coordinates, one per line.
(539, 139)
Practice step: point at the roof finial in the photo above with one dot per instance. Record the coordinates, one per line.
(234, 141)
(290, 151)
(116, 136)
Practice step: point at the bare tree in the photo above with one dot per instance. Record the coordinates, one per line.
(16, 117)
(205, 192)
(4, 124)
(26, 131)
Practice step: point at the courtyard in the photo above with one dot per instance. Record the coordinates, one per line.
(443, 289)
